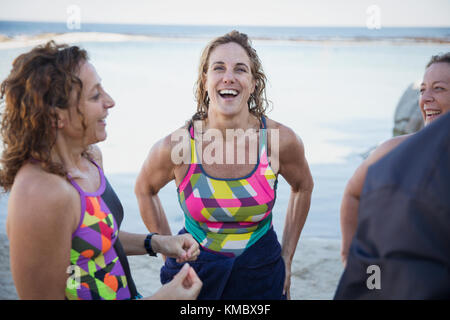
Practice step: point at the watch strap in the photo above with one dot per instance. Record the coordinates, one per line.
(148, 244)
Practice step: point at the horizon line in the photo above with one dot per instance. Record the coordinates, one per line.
(230, 25)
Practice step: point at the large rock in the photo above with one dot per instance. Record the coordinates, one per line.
(408, 118)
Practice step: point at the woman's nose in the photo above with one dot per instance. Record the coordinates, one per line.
(426, 96)
(109, 102)
(228, 76)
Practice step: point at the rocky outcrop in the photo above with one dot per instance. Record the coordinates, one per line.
(408, 118)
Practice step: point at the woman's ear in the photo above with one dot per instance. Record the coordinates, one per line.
(204, 81)
(59, 118)
(253, 85)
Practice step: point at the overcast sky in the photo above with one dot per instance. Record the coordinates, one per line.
(234, 12)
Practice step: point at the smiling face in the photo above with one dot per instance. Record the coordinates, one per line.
(93, 104)
(229, 80)
(435, 92)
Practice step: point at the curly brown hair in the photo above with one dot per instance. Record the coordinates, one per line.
(40, 81)
(257, 103)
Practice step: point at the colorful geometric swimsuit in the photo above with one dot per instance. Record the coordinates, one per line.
(227, 216)
(98, 271)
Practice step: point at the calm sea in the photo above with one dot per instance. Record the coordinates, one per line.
(340, 98)
(15, 28)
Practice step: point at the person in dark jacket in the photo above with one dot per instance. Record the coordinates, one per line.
(401, 249)
(434, 101)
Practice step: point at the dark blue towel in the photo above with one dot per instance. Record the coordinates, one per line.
(256, 274)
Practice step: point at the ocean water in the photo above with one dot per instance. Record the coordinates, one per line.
(339, 98)
(16, 28)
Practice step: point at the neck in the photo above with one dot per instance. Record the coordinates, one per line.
(243, 120)
(69, 155)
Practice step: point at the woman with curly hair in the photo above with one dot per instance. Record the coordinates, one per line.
(63, 216)
(226, 169)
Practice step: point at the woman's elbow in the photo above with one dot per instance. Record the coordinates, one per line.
(139, 188)
(307, 185)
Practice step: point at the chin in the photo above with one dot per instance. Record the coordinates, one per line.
(101, 139)
(96, 140)
(229, 110)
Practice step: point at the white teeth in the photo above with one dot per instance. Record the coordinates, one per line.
(228, 91)
(430, 113)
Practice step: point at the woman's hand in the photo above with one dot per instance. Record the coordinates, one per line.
(182, 247)
(186, 285)
(287, 279)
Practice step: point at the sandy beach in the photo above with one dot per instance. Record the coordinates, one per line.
(315, 273)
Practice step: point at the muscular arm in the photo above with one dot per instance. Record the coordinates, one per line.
(156, 172)
(353, 190)
(349, 207)
(294, 168)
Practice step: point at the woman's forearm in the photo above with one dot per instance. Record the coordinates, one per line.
(132, 243)
(153, 214)
(297, 212)
(349, 222)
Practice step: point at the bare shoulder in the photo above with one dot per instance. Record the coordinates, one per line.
(289, 160)
(42, 199)
(36, 184)
(165, 157)
(41, 220)
(181, 135)
(287, 137)
(395, 141)
(169, 148)
(356, 182)
(386, 147)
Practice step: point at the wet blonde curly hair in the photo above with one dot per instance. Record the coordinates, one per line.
(257, 103)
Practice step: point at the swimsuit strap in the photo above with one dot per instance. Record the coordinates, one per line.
(101, 188)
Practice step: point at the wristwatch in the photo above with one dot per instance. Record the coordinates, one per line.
(148, 244)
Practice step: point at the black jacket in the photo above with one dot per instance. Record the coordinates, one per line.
(404, 223)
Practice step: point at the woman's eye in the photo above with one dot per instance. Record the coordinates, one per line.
(96, 97)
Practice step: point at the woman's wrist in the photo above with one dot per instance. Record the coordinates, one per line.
(287, 259)
(151, 244)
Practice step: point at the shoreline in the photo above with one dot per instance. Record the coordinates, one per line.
(21, 41)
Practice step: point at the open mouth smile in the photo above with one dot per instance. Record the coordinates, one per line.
(432, 114)
(103, 121)
(228, 93)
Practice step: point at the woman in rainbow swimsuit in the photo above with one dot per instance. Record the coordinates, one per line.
(225, 162)
(63, 215)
